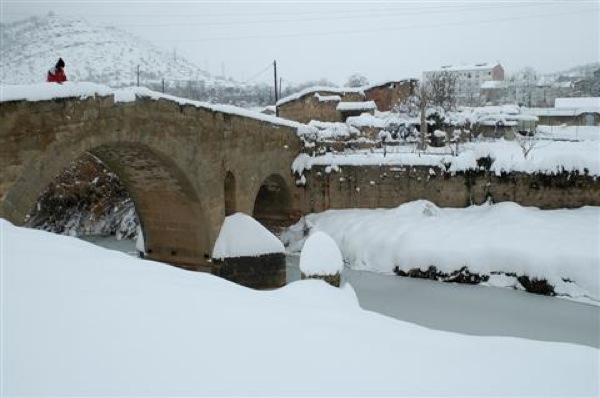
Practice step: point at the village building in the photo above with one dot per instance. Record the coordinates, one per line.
(336, 104)
(572, 111)
(468, 79)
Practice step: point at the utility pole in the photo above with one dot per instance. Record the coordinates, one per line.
(138, 75)
(423, 128)
(276, 93)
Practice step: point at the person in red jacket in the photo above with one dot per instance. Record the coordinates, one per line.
(57, 73)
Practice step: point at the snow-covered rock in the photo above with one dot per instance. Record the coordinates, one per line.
(320, 255)
(243, 236)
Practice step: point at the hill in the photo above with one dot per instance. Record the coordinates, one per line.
(94, 53)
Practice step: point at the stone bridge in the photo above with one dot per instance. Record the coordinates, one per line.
(186, 166)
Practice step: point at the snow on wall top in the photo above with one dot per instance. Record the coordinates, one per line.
(578, 103)
(49, 91)
(320, 255)
(243, 236)
(507, 156)
(317, 90)
(356, 106)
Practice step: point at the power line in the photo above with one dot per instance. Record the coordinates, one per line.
(379, 14)
(420, 8)
(266, 68)
(386, 29)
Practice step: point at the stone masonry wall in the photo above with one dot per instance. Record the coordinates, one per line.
(309, 107)
(390, 186)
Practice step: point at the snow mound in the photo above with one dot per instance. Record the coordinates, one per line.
(320, 255)
(243, 236)
(85, 321)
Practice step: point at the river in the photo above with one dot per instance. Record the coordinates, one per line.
(467, 309)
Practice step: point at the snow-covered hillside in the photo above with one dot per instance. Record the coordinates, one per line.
(93, 53)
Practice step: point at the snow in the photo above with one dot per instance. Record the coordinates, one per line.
(328, 98)
(243, 236)
(466, 67)
(47, 91)
(504, 237)
(328, 130)
(578, 102)
(572, 133)
(317, 90)
(97, 53)
(356, 106)
(547, 157)
(320, 255)
(50, 91)
(367, 120)
(81, 320)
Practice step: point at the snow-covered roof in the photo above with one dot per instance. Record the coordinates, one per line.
(49, 91)
(387, 83)
(320, 89)
(466, 67)
(243, 236)
(578, 103)
(320, 255)
(552, 112)
(356, 106)
(327, 98)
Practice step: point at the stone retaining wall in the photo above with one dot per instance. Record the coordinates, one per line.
(390, 186)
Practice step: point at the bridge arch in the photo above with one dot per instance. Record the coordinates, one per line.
(273, 203)
(168, 207)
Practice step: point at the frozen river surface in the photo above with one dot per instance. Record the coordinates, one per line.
(474, 310)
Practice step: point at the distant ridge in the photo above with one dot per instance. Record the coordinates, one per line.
(94, 53)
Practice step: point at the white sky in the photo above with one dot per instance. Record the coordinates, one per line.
(380, 39)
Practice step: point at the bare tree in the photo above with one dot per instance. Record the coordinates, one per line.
(440, 90)
(357, 80)
(528, 142)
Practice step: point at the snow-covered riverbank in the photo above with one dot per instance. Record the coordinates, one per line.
(501, 241)
(81, 320)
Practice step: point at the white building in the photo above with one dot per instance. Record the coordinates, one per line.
(469, 79)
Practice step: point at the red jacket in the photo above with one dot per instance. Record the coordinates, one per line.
(56, 75)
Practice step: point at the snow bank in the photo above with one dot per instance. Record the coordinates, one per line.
(555, 245)
(320, 255)
(82, 320)
(243, 236)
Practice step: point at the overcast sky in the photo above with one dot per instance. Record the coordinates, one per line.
(380, 39)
